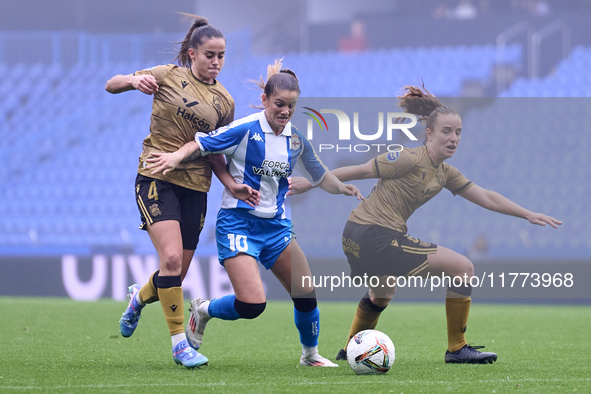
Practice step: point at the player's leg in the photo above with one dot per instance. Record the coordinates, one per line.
(167, 239)
(146, 193)
(370, 250)
(289, 268)
(247, 302)
(148, 293)
(369, 309)
(239, 241)
(457, 305)
(193, 209)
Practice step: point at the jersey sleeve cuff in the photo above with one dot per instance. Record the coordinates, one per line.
(319, 181)
(201, 148)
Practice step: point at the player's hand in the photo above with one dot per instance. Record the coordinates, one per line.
(540, 219)
(350, 190)
(145, 84)
(298, 185)
(163, 162)
(247, 194)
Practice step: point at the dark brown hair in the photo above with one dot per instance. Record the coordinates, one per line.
(417, 100)
(199, 31)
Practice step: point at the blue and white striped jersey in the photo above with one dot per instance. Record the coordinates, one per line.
(259, 158)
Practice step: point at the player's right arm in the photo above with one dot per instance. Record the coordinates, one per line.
(122, 83)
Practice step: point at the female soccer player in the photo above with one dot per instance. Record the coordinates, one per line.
(262, 150)
(377, 227)
(187, 101)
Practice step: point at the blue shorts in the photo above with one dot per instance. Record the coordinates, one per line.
(240, 232)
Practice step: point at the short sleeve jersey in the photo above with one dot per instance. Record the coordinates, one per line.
(183, 107)
(407, 180)
(259, 158)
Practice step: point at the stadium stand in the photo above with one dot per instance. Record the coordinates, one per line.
(70, 160)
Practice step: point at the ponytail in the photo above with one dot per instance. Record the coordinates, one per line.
(277, 79)
(199, 31)
(417, 100)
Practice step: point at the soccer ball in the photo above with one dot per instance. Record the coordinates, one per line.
(370, 352)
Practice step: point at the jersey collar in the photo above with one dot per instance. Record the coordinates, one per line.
(267, 128)
(200, 81)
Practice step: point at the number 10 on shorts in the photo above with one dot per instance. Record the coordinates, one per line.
(238, 242)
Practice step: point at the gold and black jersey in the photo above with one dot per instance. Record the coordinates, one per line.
(407, 180)
(182, 107)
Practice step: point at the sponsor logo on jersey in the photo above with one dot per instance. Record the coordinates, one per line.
(197, 124)
(256, 137)
(392, 156)
(184, 84)
(191, 104)
(295, 142)
(273, 168)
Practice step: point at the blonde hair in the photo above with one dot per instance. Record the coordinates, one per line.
(278, 78)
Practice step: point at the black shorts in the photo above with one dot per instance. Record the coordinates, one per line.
(375, 250)
(160, 200)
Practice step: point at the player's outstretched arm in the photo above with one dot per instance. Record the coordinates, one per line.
(499, 203)
(298, 185)
(122, 83)
(166, 162)
(240, 191)
(331, 184)
(351, 173)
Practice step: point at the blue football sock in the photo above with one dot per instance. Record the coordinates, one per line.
(223, 308)
(308, 324)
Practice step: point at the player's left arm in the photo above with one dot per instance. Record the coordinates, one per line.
(499, 203)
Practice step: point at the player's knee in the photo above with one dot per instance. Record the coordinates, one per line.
(460, 267)
(172, 262)
(468, 267)
(249, 311)
(306, 303)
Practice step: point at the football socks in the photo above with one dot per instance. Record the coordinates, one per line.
(149, 293)
(457, 308)
(366, 317)
(308, 324)
(170, 293)
(178, 338)
(223, 308)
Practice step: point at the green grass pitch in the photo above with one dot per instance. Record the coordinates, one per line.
(62, 346)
